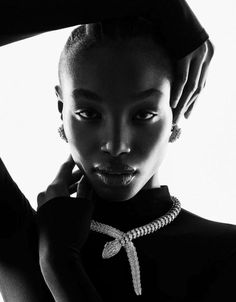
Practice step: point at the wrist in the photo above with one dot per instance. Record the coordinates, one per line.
(63, 222)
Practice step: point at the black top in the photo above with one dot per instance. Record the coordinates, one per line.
(191, 259)
(174, 18)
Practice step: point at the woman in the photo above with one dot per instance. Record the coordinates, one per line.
(125, 129)
(110, 243)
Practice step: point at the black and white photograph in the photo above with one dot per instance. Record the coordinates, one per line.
(117, 151)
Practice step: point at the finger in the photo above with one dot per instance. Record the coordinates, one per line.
(75, 179)
(41, 199)
(193, 100)
(182, 70)
(73, 188)
(190, 87)
(204, 70)
(68, 164)
(201, 56)
(189, 110)
(176, 116)
(210, 49)
(75, 176)
(84, 188)
(65, 171)
(201, 84)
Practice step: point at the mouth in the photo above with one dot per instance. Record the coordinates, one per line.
(116, 177)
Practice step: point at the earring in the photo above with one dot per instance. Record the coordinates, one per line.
(62, 133)
(175, 133)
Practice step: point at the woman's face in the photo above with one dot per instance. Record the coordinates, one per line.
(117, 117)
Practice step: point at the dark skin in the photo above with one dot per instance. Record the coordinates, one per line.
(132, 87)
(148, 116)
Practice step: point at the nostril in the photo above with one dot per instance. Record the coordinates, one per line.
(115, 149)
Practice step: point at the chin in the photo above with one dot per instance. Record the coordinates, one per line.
(117, 190)
(116, 194)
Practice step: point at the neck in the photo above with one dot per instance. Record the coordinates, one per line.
(152, 183)
(146, 206)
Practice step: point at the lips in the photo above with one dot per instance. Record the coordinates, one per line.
(115, 170)
(115, 175)
(115, 179)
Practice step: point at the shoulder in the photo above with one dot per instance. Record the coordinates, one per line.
(199, 224)
(196, 232)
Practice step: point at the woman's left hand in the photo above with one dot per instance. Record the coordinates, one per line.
(66, 183)
(191, 75)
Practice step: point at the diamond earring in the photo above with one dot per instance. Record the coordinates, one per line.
(62, 133)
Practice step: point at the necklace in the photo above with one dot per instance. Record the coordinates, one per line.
(122, 239)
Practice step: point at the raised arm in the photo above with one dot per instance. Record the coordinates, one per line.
(14, 206)
(176, 20)
(20, 273)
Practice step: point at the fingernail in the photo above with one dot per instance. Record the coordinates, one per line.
(187, 114)
(174, 105)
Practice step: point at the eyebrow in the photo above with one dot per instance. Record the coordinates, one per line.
(88, 94)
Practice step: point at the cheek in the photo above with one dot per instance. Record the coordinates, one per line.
(155, 142)
(81, 138)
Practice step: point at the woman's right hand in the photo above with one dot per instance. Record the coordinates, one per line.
(66, 183)
(65, 217)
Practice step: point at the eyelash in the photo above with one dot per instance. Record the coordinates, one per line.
(91, 118)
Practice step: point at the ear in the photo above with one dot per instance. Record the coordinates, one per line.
(58, 92)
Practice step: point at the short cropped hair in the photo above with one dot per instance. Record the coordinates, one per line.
(124, 29)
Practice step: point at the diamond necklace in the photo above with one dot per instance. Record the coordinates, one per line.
(122, 239)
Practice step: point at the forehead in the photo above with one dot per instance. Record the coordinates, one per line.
(118, 69)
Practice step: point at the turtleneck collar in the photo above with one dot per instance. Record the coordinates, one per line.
(146, 206)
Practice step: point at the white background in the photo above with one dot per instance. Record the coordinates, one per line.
(200, 167)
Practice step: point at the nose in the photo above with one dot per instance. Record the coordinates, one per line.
(117, 140)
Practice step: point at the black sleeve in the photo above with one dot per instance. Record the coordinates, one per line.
(15, 209)
(223, 288)
(20, 274)
(63, 227)
(178, 25)
(176, 20)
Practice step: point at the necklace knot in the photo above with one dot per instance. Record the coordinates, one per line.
(122, 239)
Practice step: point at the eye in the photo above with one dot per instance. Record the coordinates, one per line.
(145, 116)
(88, 114)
